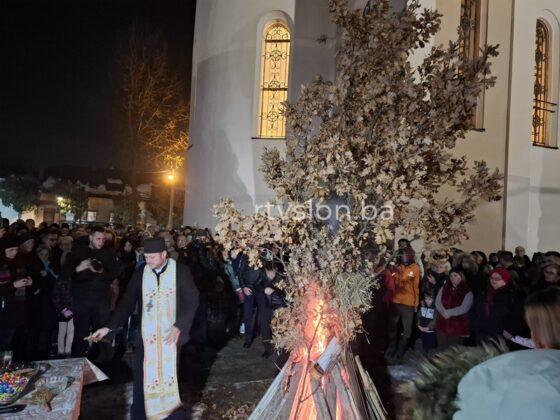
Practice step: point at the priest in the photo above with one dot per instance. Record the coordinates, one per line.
(167, 300)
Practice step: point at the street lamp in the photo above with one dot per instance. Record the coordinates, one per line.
(171, 179)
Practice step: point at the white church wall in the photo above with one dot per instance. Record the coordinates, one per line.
(490, 145)
(533, 172)
(221, 162)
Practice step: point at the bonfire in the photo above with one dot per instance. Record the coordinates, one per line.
(367, 155)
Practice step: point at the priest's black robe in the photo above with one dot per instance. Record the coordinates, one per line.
(187, 303)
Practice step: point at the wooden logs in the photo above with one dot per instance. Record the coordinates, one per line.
(334, 387)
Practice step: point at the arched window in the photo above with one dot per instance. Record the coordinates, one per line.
(542, 106)
(275, 66)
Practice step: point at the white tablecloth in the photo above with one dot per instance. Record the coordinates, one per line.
(65, 406)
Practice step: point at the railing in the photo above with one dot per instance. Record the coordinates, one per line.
(542, 111)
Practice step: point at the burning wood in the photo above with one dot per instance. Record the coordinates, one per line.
(323, 380)
(328, 358)
(343, 391)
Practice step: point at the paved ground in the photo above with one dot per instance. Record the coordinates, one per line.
(220, 383)
(237, 380)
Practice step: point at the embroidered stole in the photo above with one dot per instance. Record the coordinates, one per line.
(161, 391)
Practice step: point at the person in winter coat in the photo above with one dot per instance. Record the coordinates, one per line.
(12, 293)
(45, 319)
(249, 279)
(92, 268)
(232, 276)
(551, 277)
(522, 384)
(65, 244)
(405, 301)
(268, 285)
(453, 302)
(62, 300)
(521, 261)
(436, 277)
(427, 322)
(500, 308)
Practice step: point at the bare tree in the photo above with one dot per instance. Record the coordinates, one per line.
(155, 115)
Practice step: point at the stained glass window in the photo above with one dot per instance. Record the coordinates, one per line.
(274, 81)
(542, 107)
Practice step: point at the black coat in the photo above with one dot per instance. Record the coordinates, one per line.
(248, 276)
(506, 314)
(42, 313)
(430, 288)
(276, 299)
(187, 302)
(12, 300)
(88, 284)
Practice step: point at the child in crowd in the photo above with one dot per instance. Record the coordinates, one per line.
(62, 300)
(427, 322)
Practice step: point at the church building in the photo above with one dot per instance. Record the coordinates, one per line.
(251, 55)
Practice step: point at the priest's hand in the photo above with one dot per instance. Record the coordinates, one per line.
(99, 334)
(172, 336)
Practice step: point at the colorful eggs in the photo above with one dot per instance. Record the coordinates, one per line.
(10, 385)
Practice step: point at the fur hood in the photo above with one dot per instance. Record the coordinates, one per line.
(433, 393)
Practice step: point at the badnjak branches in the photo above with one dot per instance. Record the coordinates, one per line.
(383, 134)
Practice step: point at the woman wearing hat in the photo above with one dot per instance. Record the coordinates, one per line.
(500, 308)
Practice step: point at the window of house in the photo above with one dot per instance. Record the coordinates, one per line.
(473, 25)
(543, 108)
(275, 66)
(91, 216)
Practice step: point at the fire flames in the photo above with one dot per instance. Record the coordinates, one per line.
(320, 333)
(320, 381)
(317, 334)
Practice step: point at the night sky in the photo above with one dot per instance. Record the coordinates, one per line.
(58, 79)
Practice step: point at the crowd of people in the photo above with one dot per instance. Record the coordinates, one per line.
(464, 298)
(58, 284)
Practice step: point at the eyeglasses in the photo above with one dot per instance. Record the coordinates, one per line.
(550, 272)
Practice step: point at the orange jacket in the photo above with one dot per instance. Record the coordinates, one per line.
(407, 285)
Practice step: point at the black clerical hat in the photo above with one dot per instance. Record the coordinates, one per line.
(154, 245)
